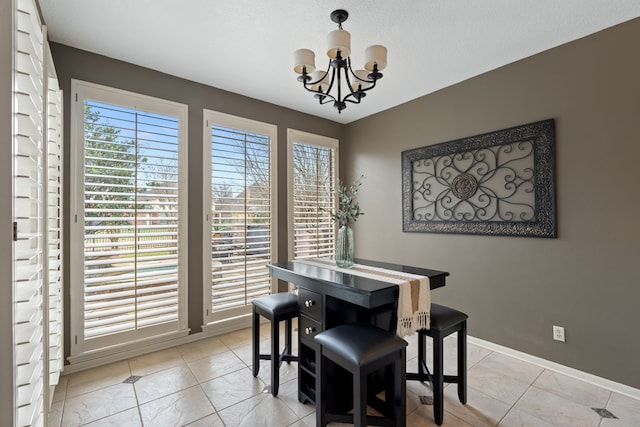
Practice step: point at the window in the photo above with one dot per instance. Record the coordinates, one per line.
(129, 217)
(313, 164)
(239, 213)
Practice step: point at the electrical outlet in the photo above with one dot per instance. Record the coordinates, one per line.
(558, 333)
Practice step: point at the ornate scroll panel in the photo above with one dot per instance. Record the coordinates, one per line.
(499, 183)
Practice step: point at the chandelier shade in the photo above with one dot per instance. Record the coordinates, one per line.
(340, 83)
(338, 43)
(375, 55)
(304, 59)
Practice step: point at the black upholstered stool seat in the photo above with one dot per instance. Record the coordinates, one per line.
(275, 308)
(444, 321)
(362, 349)
(443, 318)
(276, 305)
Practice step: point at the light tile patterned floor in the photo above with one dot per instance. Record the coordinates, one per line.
(209, 383)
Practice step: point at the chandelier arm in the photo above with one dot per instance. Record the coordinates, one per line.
(347, 71)
(334, 71)
(356, 76)
(325, 99)
(372, 82)
(356, 100)
(319, 94)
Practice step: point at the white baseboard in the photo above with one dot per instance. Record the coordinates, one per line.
(561, 369)
(99, 358)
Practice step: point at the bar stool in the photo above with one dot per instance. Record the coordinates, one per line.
(444, 322)
(362, 349)
(276, 308)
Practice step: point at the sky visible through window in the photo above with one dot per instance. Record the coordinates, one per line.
(153, 136)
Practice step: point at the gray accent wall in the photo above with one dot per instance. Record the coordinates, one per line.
(77, 64)
(514, 289)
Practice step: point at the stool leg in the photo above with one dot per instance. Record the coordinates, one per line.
(255, 343)
(321, 384)
(438, 377)
(359, 399)
(400, 390)
(422, 350)
(287, 338)
(275, 357)
(390, 389)
(462, 363)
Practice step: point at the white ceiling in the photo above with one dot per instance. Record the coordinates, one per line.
(246, 46)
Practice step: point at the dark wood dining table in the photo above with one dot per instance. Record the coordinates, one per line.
(330, 297)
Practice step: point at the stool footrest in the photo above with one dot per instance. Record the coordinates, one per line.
(372, 420)
(413, 376)
(452, 379)
(283, 357)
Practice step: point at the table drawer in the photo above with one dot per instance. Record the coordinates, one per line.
(310, 304)
(308, 329)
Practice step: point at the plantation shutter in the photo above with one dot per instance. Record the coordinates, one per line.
(241, 217)
(28, 214)
(131, 214)
(313, 200)
(54, 228)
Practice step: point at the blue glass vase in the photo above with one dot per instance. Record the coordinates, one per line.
(344, 253)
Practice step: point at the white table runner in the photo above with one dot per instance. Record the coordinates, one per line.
(414, 300)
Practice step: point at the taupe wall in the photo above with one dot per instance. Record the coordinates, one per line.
(73, 63)
(515, 289)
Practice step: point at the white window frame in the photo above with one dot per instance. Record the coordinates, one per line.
(82, 350)
(294, 136)
(233, 318)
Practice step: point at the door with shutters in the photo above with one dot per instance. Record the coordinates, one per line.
(37, 250)
(129, 218)
(29, 187)
(239, 213)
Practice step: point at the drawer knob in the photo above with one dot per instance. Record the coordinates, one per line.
(309, 331)
(309, 303)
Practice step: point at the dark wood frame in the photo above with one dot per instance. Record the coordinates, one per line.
(445, 164)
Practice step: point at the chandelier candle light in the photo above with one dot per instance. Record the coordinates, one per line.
(355, 83)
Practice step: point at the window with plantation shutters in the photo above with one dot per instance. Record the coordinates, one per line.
(129, 217)
(29, 256)
(312, 176)
(239, 213)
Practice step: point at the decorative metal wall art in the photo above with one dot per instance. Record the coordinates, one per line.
(498, 183)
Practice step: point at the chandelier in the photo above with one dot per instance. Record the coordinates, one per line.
(339, 83)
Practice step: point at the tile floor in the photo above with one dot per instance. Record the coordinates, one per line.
(209, 383)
